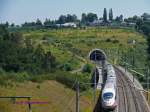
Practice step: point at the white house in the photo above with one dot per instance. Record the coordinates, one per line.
(69, 25)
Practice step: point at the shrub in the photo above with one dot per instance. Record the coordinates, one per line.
(108, 40)
(37, 79)
(67, 67)
(115, 41)
(70, 80)
(2, 71)
(21, 77)
(69, 45)
(87, 68)
(89, 44)
(38, 86)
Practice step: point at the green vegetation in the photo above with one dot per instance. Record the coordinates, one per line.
(71, 46)
(42, 54)
(65, 50)
(19, 54)
(105, 15)
(87, 68)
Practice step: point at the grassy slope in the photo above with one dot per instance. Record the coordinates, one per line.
(82, 41)
(60, 98)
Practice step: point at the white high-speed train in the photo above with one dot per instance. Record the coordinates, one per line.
(109, 93)
(109, 97)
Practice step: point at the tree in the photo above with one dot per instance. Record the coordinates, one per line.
(7, 24)
(135, 17)
(87, 18)
(47, 22)
(4, 35)
(121, 18)
(19, 55)
(105, 15)
(91, 17)
(16, 38)
(12, 25)
(146, 29)
(62, 19)
(148, 49)
(117, 19)
(75, 18)
(139, 23)
(110, 14)
(71, 18)
(83, 18)
(38, 22)
(145, 16)
(49, 61)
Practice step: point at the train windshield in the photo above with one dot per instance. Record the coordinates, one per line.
(107, 96)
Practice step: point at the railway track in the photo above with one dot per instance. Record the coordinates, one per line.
(130, 99)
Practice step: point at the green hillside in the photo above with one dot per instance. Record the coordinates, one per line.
(70, 47)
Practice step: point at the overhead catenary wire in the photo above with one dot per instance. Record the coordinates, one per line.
(68, 94)
(66, 106)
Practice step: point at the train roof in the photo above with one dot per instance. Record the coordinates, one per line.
(111, 80)
(106, 90)
(109, 85)
(110, 68)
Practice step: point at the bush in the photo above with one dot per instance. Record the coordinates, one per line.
(87, 68)
(37, 78)
(2, 71)
(38, 86)
(108, 40)
(67, 67)
(69, 45)
(3, 82)
(115, 41)
(89, 44)
(21, 77)
(70, 80)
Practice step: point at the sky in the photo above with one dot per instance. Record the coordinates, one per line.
(19, 11)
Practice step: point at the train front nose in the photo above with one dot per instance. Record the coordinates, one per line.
(109, 104)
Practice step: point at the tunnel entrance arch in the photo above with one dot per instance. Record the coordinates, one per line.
(97, 55)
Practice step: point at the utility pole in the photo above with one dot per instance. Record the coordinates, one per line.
(133, 58)
(19, 97)
(133, 77)
(77, 97)
(95, 80)
(147, 83)
(125, 62)
(118, 53)
(29, 104)
(95, 86)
